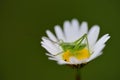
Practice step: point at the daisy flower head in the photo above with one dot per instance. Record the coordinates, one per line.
(74, 44)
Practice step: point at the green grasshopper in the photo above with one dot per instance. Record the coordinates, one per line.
(77, 45)
(74, 46)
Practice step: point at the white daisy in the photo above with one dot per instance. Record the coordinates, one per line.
(74, 44)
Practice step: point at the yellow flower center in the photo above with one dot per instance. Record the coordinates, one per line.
(80, 54)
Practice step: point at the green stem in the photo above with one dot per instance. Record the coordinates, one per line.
(78, 77)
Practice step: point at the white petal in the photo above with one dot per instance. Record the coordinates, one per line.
(82, 61)
(51, 50)
(75, 30)
(93, 35)
(58, 59)
(47, 44)
(75, 24)
(59, 33)
(101, 41)
(73, 60)
(67, 31)
(50, 55)
(48, 49)
(83, 28)
(50, 58)
(62, 62)
(55, 57)
(51, 35)
(96, 53)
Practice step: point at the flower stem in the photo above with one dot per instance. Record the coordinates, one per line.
(78, 74)
(78, 77)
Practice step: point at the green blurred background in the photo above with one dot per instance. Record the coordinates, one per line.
(23, 23)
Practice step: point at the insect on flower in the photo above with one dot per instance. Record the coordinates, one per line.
(74, 44)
